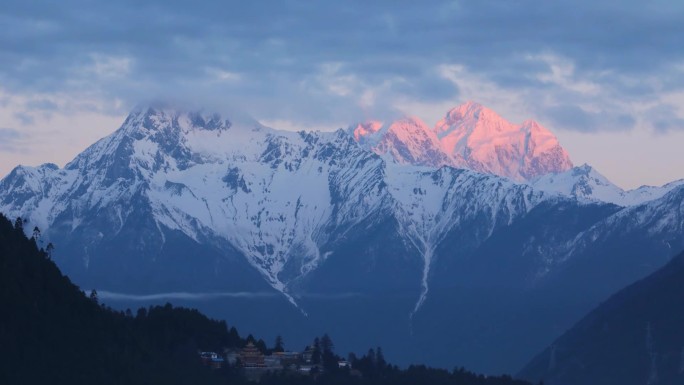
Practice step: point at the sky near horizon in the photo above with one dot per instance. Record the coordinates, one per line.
(607, 77)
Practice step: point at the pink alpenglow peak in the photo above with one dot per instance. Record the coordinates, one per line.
(470, 136)
(407, 141)
(364, 131)
(491, 144)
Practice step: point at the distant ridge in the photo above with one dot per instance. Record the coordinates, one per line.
(469, 136)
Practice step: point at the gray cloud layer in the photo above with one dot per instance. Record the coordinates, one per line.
(108, 295)
(180, 295)
(9, 139)
(314, 61)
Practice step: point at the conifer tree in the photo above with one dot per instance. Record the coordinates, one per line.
(552, 358)
(650, 350)
(371, 356)
(380, 358)
(316, 357)
(279, 347)
(49, 250)
(19, 224)
(93, 296)
(326, 344)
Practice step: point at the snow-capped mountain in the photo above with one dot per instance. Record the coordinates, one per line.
(277, 197)
(585, 183)
(469, 136)
(491, 144)
(474, 137)
(374, 218)
(406, 141)
(268, 194)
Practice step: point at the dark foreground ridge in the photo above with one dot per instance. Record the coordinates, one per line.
(636, 337)
(52, 333)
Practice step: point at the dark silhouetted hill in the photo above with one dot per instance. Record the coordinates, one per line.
(635, 337)
(52, 333)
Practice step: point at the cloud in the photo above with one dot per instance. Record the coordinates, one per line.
(41, 104)
(666, 119)
(108, 295)
(10, 139)
(181, 296)
(578, 119)
(334, 62)
(665, 125)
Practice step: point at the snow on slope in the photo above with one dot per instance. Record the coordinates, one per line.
(491, 144)
(276, 196)
(268, 193)
(432, 203)
(474, 137)
(279, 197)
(660, 219)
(406, 141)
(28, 191)
(585, 183)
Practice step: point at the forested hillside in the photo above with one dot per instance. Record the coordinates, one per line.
(635, 337)
(53, 333)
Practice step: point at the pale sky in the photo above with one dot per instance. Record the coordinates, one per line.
(606, 76)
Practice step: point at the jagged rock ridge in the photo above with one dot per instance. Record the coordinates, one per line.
(469, 136)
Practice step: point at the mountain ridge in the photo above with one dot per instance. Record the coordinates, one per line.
(328, 229)
(140, 160)
(469, 136)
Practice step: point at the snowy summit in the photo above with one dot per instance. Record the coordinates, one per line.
(470, 136)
